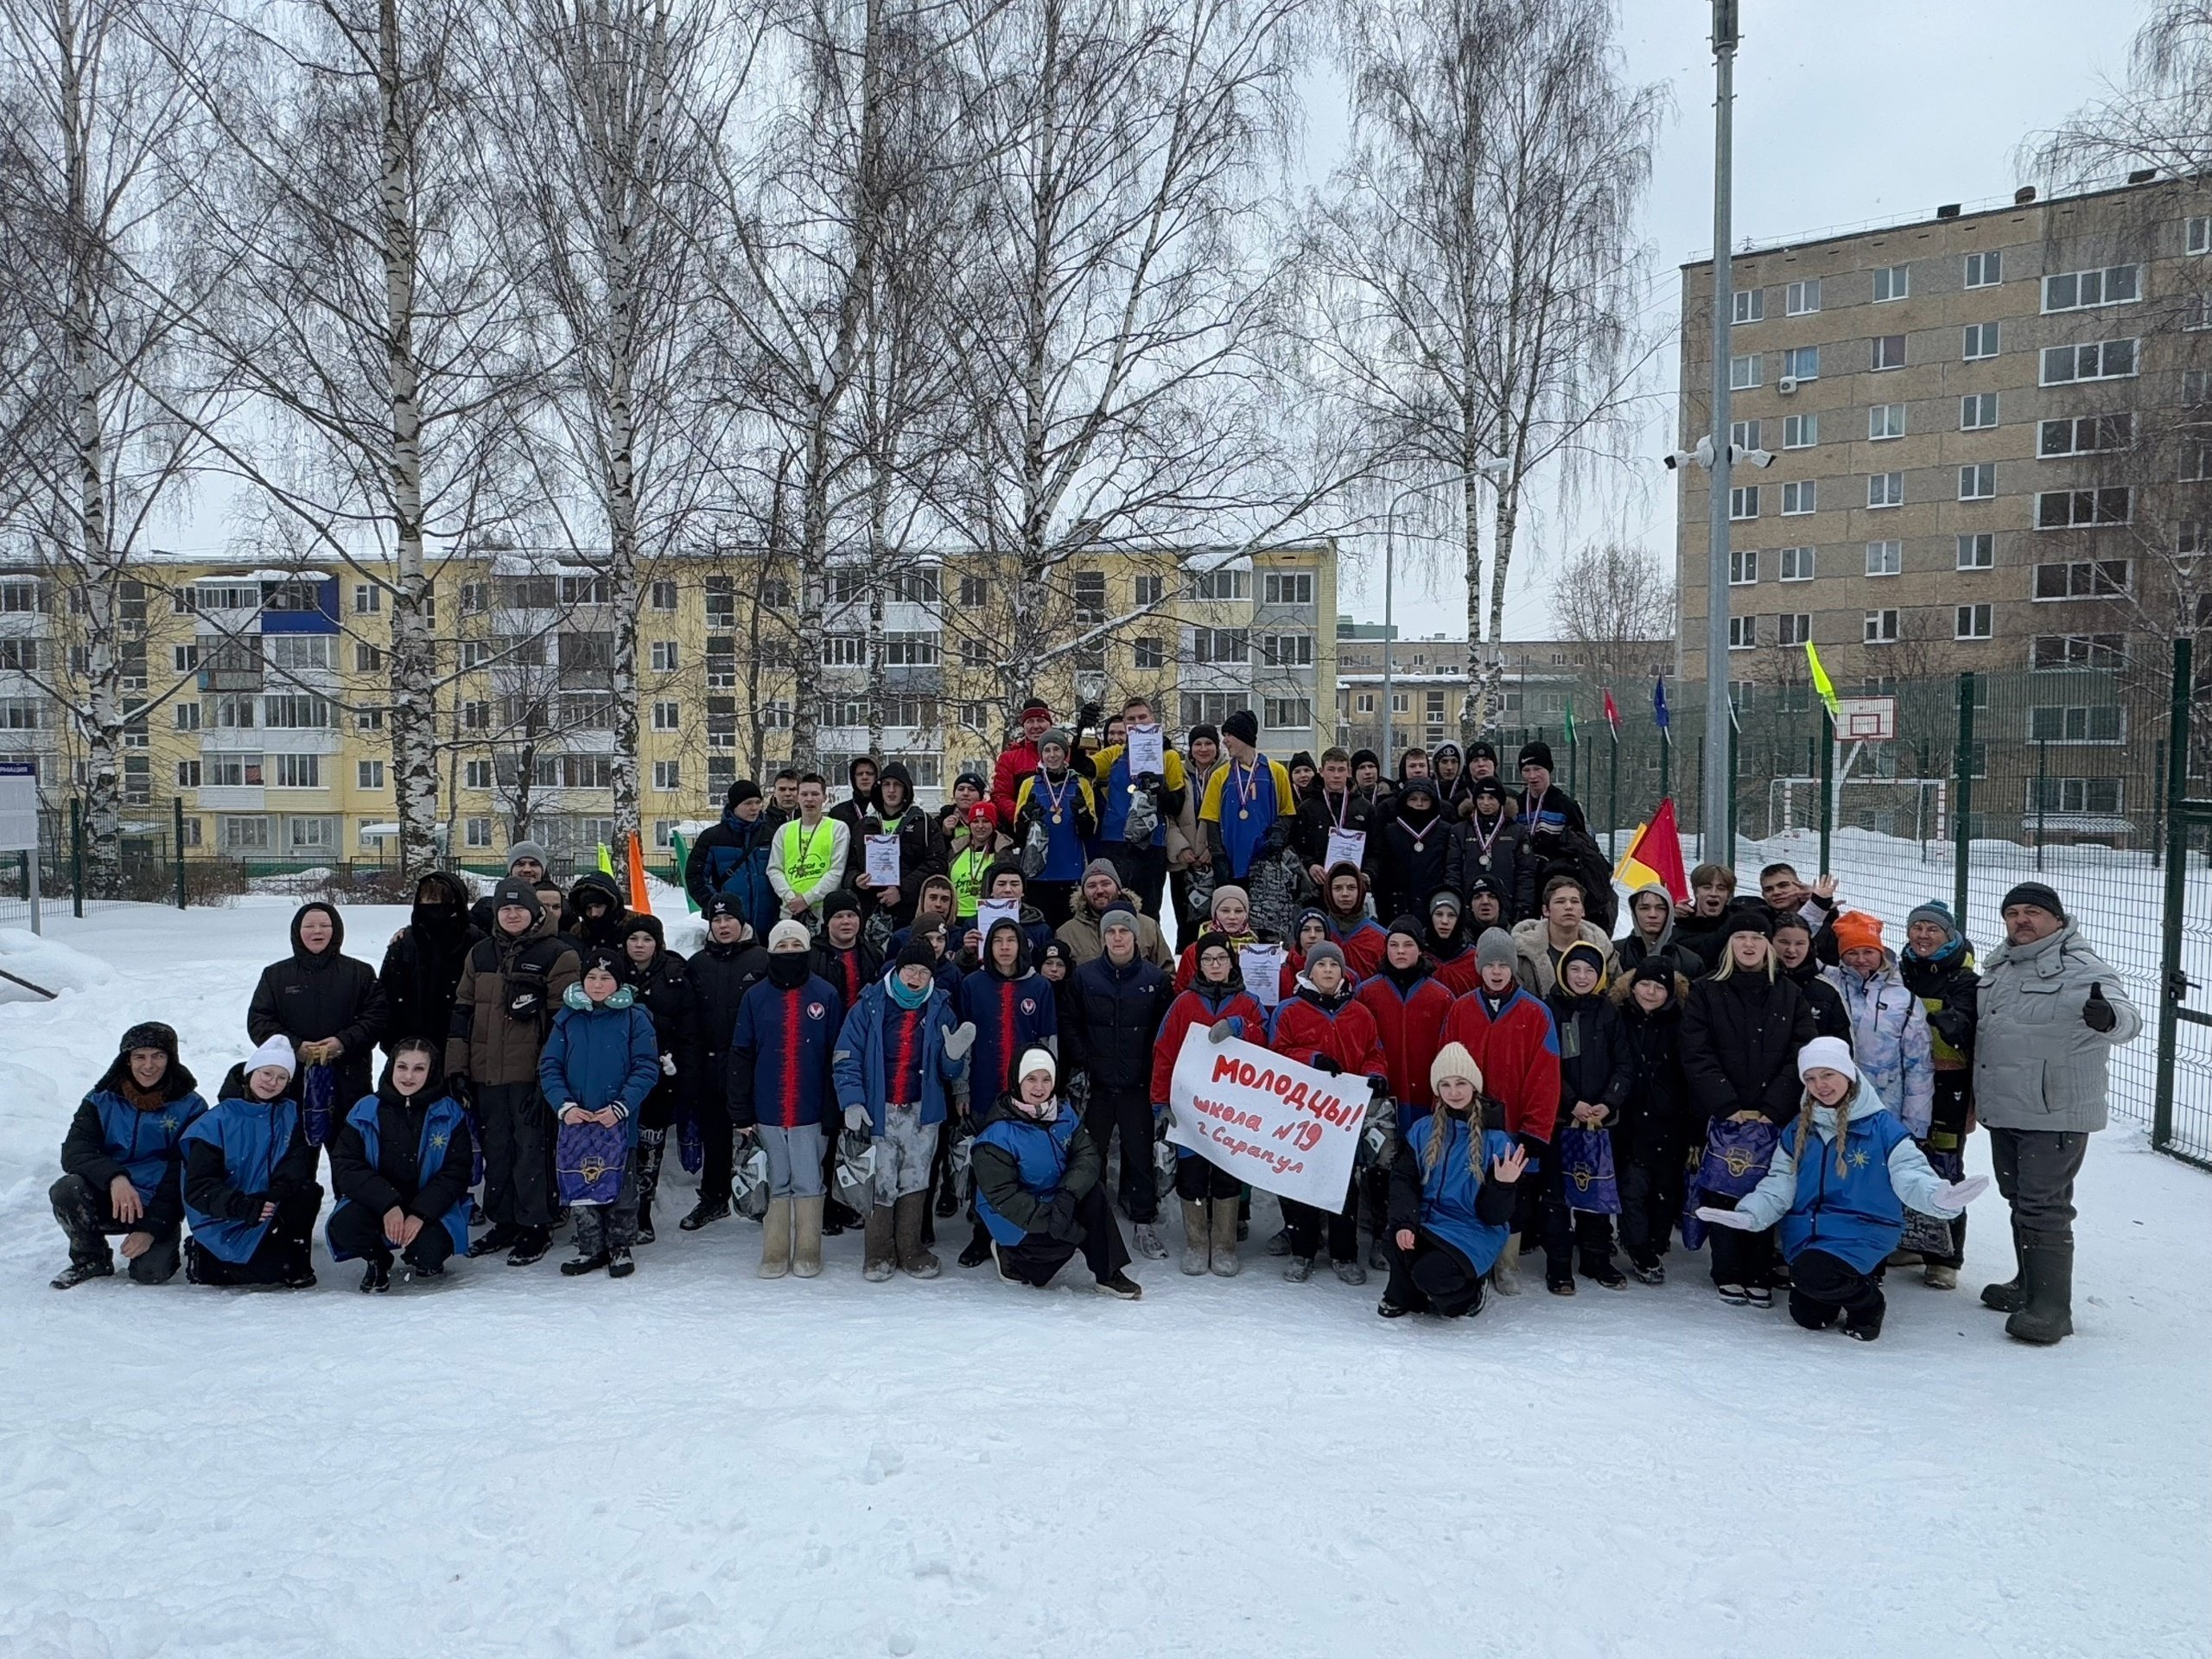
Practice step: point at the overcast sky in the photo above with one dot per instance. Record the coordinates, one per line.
(1846, 110)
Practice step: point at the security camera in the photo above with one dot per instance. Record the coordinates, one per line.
(1702, 456)
(1749, 457)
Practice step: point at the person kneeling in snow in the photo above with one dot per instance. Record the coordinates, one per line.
(601, 1061)
(1037, 1189)
(122, 1162)
(401, 1164)
(1841, 1215)
(1447, 1222)
(250, 1190)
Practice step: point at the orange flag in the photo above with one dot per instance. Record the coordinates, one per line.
(641, 902)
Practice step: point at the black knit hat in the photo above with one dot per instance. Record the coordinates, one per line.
(2036, 894)
(1410, 926)
(837, 901)
(602, 957)
(1537, 753)
(742, 791)
(645, 922)
(516, 892)
(1204, 729)
(916, 952)
(1243, 725)
(722, 904)
(1365, 757)
(1748, 918)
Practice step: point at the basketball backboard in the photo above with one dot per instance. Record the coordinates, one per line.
(1866, 720)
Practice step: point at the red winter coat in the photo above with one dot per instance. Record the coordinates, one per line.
(1191, 1008)
(1411, 1025)
(1461, 975)
(1364, 943)
(1309, 1027)
(1186, 967)
(1518, 1053)
(1019, 760)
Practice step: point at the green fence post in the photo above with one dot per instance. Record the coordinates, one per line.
(2175, 984)
(77, 858)
(1613, 799)
(1827, 787)
(1962, 825)
(176, 844)
(2042, 782)
(1733, 770)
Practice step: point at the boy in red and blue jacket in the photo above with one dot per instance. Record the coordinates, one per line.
(778, 1085)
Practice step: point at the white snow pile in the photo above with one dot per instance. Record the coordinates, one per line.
(48, 964)
(695, 1463)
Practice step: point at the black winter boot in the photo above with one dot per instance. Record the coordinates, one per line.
(2012, 1295)
(653, 1147)
(78, 1272)
(2047, 1271)
(501, 1237)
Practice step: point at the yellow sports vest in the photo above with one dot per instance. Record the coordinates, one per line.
(807, 855)
(967, 872)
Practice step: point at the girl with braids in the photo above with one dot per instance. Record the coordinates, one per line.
(1451, 1190)
(1839, 1187)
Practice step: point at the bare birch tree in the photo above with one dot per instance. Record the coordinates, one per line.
(1617, 601)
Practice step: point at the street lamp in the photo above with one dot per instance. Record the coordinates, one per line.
(1493, 467)
(1720, 781)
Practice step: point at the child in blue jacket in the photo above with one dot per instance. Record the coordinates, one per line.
(1838, 1187)
(1453, 1187)
(249, 1190)
(599, 1062)
(123, 1163)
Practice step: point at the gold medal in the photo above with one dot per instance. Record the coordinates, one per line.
(1243, 813)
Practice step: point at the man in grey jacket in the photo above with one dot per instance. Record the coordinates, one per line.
(2051, 1010)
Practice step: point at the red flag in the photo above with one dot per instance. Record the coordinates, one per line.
(1655, 854)
(1612, 714)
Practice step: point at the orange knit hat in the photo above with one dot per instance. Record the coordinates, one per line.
(1855, 928)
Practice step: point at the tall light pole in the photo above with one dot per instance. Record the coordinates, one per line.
(1719, 784)
(1489, 466)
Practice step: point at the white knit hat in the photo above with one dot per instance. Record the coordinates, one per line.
(1831, 1053)
(277, 1052)
(1037, 1060)
(788, 932)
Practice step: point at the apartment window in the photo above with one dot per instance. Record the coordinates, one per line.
(235, 771)
(2104, 359)
(368, 775)
(245, 835)
(667, 716)
(2058, 651)
(1801, 362)
(1799, 299)
(295, 712)
(1744, 434)
(476, 716)
(1797, 564)
(1149, 651)
(587, 771)
(368, 599)
(1800, 431)
(2074, 794)
(911, 650)
(1973, 622)
(667, 775)
(476, 774)
(298, 650)
(975, 592)
(2075, 724)
(2082, 578)
(1742, 568)
(1977, 411)
(1287, 714)
(368, 719)
(1885, 489)
(2197, 462)
(2197, 313)
(1885, 558)
(843, 712)
(1881, 628)
(1743, 501)
(663, 656)
(1799, 496)
(1212, 707)
(585, 590)
(2073, 509)
(663, 596)
(187, 774)
(1793, 627)
(1220, 644)
(2078, 291)
(772, 594)
(1285, 588)
(1219, 585)
(1977, 482)
(1150, 590)
(1287, 650)
(918, 584)
(1750, 305)
(2193, 536)
(1886, 352)
(184, 659)
(1978, 552)
(475, 598)
(185, 715)
(1885, 421)
(297, 770)
(1984, 269)
(1892, 282)
(975, 653)
(1744, 371)
(844, 650)
(2198, 234)
(1742, 632)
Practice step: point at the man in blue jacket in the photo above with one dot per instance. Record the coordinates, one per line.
(123, 1163)
(732, 857)
(899, 1054)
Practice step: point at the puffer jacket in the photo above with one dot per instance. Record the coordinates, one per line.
(1856, 1214)
(1740, 1038)
(311, 995)
(1022, 1166)
(1889, 1039)
(489, 1045)
(600, 1054)
(2036, 1065)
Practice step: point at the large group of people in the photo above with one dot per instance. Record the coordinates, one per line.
(902, 1016)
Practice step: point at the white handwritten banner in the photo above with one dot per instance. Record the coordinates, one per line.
(1266, 1119)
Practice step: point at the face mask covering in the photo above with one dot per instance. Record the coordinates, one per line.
(906, 997)
(787, 969)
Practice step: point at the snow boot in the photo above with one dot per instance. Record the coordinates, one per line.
(1280, 1244)
(2047, 1271)
(1378, 1259)
(978, 1250)
(530, 1245)
(579, 1264)
(1653, 1272)
(1350, 1272)
(806, 1237)
(1602, 1270)
(776, 1239)
(1226, 1232)
(501, 1237)
(907, 1217)
(1505, 1272)
(78, 1272)
(619, 1264)
(1299, 1269)
(1147, 1245)
(1390, 1310)
(2012, 1295)
(1194, 1236)
(653, 1145)
(376, 1277)
(705, 1211)
(877, 1261)
(1941, 1276)
(1121, 1286)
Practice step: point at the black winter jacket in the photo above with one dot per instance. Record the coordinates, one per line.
(1117, 1014)
(308, 998)
(1594, 1061)
(1413, 857)
(1830, 1017)
(423, 965)
(1740, 1038)
(664, 990)
(1501, 861)
(1656, 1115)
(396, 1180)
(719, 976)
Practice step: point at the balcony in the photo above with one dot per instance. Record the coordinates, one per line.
(230, 679)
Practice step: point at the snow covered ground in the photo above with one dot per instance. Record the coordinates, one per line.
(697, 1463)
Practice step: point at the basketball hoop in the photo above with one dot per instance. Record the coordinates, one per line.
(1866, 720)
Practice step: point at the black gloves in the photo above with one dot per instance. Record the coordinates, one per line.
(1060, 1222)
(2097, 1013)
(1322, 1063)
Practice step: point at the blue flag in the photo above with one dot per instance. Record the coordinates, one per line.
(1659, 702)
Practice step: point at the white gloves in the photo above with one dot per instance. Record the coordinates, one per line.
(668, 1065)
(1953, 1197)
(1735, 1218)
(856, 1117)
(959, 1040)
(1219, 1032)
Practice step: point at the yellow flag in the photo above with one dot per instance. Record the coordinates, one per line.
(1821, 683)
(606, 859)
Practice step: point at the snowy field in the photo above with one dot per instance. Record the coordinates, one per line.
(697, 1463)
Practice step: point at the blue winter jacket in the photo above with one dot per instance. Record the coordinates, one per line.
(733, 858)
(1889, 1038)
(857, 1064)
(1010, 1016)
(779, 1053)
(440, 1122)
(1040, 1154)
(1857, 1215)
(1449, 1192)
(254, 1135)
(149, 1146)
(601, 1056)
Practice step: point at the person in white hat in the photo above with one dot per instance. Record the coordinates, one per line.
(250, 1191)
(1037, 1189)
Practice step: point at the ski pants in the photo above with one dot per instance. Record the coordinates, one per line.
(87, 1216)
(1823, 1287)
(1433, 1278)
(1040, 1255)
(518, 1128)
